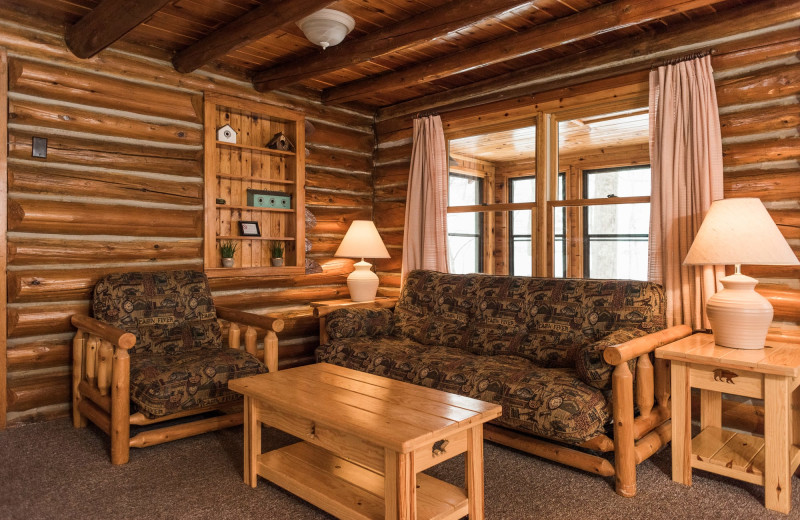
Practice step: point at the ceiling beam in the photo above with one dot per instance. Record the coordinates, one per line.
(425, 26)
(256, 24)
(107, 23)
(594, 21)
(630, 55)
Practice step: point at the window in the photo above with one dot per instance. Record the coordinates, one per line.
(615, 235)
(464, 230)
(521, 189)
(559, 230)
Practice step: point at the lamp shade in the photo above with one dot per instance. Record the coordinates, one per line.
(739, 231)
(362, 241)
(326, 27)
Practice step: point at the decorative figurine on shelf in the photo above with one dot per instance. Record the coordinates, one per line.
(226, 134)
(276, 250)
(227, 249)
(279, 141)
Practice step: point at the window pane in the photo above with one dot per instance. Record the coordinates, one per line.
(624, 182)
(523, 189)
(619, 219)
(463, 223)
(463, 190)
(559, 268)
(618, 258)
(464, 254)
(521, 222)
(521, 253)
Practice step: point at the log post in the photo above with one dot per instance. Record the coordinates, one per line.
(624, 448)
(271, 351)
(120, 406)
(91, 358)
(234, 336)
(104, 356)
(644, 385)
(78, 347)
(251, 341)
(323, 333)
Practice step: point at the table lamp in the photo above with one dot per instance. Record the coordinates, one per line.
(739, 231)
(362, 241)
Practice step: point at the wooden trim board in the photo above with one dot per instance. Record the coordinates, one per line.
(3, 229)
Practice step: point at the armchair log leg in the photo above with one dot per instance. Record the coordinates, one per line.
(120, 407)
(624, 447)
(78, 346)
(271, 351)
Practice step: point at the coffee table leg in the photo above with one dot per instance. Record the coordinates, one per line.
(475, 472)
(252, 442)
(400, 486)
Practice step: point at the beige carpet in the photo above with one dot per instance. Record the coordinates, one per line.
(52, 471)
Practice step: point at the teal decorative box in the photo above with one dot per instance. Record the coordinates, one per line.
(269, 199)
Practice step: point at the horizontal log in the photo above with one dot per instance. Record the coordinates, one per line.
(758, 85)
(33, 178)
(107, 154)
(80, 120)
(336, 220)
(388, 265)
(56, 251)
(266, 323)
(338, 137)
(391, 193)
(24, 393)
(393, 154)
(785, 302)
(34, 415)
(391, 174)
(759, 120)
(39, 354)
(54, 318)
(623, 352)
(72, 218)
(53, 82)
(340, 159)
(757, 49)
(389, 214)
(788, 221)
(291, 296)
(334, 273)
(43, 285)
(766, 184)
(735, 154)
(316, 197)
(335, 180)
(389, 292)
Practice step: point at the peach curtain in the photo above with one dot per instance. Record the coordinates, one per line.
(686, 164)
(425, 232)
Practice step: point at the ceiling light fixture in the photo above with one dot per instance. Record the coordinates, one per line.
(326, 27)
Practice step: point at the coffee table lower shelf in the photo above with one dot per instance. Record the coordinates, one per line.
(351, 491)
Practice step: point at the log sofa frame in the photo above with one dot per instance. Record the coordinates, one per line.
(101, 382)
(636, 438)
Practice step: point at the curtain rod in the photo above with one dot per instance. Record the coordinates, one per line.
(426, 114)
(675, 61)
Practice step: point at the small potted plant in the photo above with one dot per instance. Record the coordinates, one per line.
(227, 249)
(276, 249)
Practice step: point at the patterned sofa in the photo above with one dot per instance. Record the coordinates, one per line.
(533, 345)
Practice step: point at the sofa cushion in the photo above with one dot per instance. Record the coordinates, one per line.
(590, 365)
(615, 304)
(498, 325)
(550, 403)
(351, 323)
(168, 311)
(163, 384)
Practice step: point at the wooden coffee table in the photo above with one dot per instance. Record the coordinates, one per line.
(365, 440)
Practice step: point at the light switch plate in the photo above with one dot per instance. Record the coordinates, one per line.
(40, 147)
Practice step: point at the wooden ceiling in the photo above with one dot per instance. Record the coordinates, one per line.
(400, 49)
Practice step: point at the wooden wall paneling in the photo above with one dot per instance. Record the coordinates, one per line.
(3, 228)
(120, 189)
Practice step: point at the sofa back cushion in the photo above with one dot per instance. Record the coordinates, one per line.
(611, 305)
(498, 325)
(169, 311)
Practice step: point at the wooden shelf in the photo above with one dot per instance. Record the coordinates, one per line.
(230, 272)
(261, 149)
(253, 208)
(254, 179)
(349, 490)
(285, 239)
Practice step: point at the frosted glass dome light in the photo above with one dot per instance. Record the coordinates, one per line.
(326, 27)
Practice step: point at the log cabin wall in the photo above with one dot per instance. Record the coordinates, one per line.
(121, 189)
(757, 77)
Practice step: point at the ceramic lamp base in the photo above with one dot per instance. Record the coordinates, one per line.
(739, 316)
(362, 283)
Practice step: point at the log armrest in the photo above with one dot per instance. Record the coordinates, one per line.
(104, 331)
(634, 348)
(269, 324)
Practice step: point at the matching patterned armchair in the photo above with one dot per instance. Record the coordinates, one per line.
(154, 352)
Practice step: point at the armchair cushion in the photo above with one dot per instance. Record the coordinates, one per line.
(168, 311)
(352, 323)
(590, 365)
(163, 384)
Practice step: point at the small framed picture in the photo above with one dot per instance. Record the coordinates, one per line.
(249, 228)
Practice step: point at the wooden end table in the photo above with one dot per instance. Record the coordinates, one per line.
(771, 374)
(365, 440)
